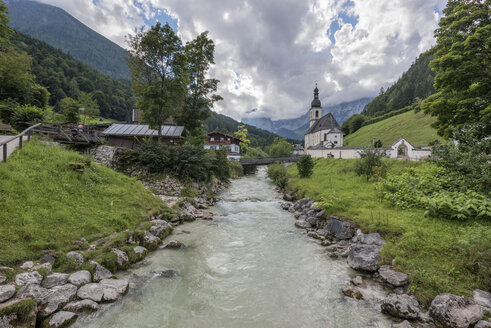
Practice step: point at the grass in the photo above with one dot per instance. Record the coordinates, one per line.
(439, 255)
(415, 127)
(47, 205)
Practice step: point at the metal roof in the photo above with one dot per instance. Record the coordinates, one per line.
(142, 130)
(326, 122)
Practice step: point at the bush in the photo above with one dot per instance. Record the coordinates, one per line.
(305, 166)
(432, 188)
(277, 173)
(280, 148)
(255, 152)
(25, 114)
(370, 165)
(236, 169)
(221, 165)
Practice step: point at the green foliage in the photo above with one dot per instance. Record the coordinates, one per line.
(255, 152)
(159, 76)
(65, 76)
(199, 99)
(305, 166)
(110, 261)
(47, 205)
(468, 161)
(440, 256)
(353, 124)
(281, 148)
(463, 68)
(277, 172)
(23, 115)
(69, 108)
(21, 309)
(243, 135)
(370, 164)
(417, 82)
(184, 161)
(377, 144)
(5, 30)
(91, 107)
(432, 189)
(236, 169)
(415, 127)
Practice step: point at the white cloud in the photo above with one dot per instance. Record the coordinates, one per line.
(270, 53)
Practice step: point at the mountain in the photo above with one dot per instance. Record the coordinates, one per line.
(414, 126)
(62, 31)
(259, 138)
(65, 76)
(295, 128)
(417, 82)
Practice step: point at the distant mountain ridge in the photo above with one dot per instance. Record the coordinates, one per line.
(295, 128)
(62, 31)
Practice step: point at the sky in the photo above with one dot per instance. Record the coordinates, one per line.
(270, 53)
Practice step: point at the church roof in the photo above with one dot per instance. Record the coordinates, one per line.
(326, 122)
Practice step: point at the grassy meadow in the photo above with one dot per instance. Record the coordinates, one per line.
(439, 255)
(44, 204)
(415, 127)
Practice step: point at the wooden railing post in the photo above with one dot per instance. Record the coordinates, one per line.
(5, 152)
(20, 142)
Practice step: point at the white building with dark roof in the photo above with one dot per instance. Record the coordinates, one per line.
(324, 130)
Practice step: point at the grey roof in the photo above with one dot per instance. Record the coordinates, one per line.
(131, 130)
(326, 122)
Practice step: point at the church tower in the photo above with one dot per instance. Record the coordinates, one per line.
(315, 108)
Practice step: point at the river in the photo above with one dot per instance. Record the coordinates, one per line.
(249, 267)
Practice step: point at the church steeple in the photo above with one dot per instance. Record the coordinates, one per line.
(315, 107)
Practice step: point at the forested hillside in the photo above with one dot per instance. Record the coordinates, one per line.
(59, 29)
(65, 76)
(259, 138)
(417, 82)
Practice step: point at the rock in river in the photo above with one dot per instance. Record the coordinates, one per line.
(55, 279)
(60, 319)
(341, 229)
(401, 306)
(82, 306)
(79, 278)
(394, 278)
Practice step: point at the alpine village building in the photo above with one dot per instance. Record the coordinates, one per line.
(218, 140)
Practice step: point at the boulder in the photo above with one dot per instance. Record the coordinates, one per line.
(483, 298)
(341, 229)
(100, 272)
(6, 292)
(174, 244)
(351, 291)
(45, 266)
(120, 285)
(149, 241)
(55, 279)
(55, 298)
(2, 279)
(79, 278)
(404, 324)
(401, 306)
(27, 265)
(371, 239)
(107, 290)
(122, 258)
(48, 258)
(10, 318)
(82, 306)
(77, 257)
(454, 311)
(357, 281)
(160, 228)
(28, 278)
(285, 206)
(166, 273)
(302, 224)
(394, 278)
(60, 319)
(140, 251)
(364, 257)
(91, 291)
(287, 197)
(33, 291)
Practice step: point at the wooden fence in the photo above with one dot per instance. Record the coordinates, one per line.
(18, 138)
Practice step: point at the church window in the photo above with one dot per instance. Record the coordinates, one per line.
(316, 114)
(325, 136)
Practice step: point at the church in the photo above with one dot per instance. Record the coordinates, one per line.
(324, 131)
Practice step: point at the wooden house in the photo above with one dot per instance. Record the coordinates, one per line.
(218, 140)
(128, 135)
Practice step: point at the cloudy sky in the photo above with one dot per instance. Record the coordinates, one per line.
(269, 53)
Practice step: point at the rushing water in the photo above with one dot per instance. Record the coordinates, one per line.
(250, 267)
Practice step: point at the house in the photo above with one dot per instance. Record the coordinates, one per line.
(128, 135)
(218, 140)
(298, 150)
(324, 130)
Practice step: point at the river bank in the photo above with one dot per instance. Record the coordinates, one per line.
(416, 247)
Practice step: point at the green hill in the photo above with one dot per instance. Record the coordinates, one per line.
(59, 29)
(415, 127)
(48, 205)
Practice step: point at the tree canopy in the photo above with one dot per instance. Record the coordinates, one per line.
(463, 68)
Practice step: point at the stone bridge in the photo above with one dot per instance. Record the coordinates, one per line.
(267, 160)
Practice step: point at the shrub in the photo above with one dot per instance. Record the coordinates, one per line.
(370, 164)
(221, 165)
(236, 169)
(281, 148)
(255, 152)
(25, 114)
(277, 173)
(305, 166)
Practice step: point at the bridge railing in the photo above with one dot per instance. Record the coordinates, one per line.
(29, 131)
(268, 160)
